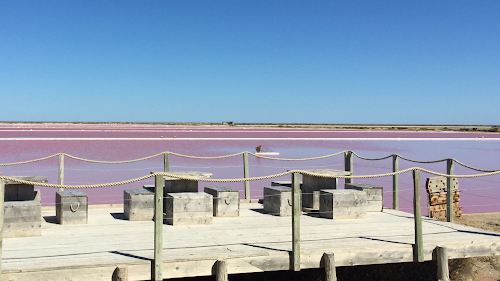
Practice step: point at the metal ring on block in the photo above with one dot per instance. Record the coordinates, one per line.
(289, 203)
(73, 209)
(325, 201)
(227, 202)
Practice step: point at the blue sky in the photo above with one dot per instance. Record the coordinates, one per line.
(376, 62)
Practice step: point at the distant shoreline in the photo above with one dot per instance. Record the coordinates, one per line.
(376, 127)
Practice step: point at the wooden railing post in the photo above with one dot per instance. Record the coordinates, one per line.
(156, 275)
(246, 174)
(395, 182)
(120, 273)
(348, 165)
(449, 191)
(443, 272)
(61, 171)
(329, 264)
(296, 210)
(166, 163)
(418, 251)
(221, 270)
(2, 192)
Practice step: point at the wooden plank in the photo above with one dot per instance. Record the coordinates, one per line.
(395, 182)
(297, 207)
(440, 198)
(417, 211)
(348, 163)
(246, 174)
(158, 219)
(449, 184)
(61, 171)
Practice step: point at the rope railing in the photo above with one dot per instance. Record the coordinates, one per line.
(165, 174)
(240, 153)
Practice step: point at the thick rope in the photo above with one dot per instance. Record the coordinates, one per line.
(246, 179)
(31, 161)
(301, 159)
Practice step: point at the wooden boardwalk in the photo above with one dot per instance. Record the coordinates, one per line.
(253, 242)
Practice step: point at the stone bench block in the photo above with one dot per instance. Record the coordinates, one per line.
(312, 184)
(374, 195)
(138, 204)
(15, 191)
(278, 200)
(342, 204)
(23, 218)
(72, 207)
(226, 201)
(188, 208)
(173, 185)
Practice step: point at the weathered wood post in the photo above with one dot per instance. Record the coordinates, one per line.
(2, 193)
(296, 210)
(395, 182)
(449, 191)
(348, 164)
(120, 273)
(166, 163)
(61, 171)
(443, 273)
(329, 264)
(221, 270)
(246, 174)
(418, 251)
(156, 275)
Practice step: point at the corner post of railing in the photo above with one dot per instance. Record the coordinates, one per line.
(2, 192)
(246, 175)
(296, 211)
(157, 271)
(61, 171)
(166, 163)
(395, 182)
(449, 191)
(348, 164)
(418, 249)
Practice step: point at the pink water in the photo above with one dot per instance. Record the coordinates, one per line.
(19, 142)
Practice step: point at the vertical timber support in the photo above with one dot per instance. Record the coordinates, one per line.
(156, 274)
(61, 170)
(329, 264)
(246, 174)
(395, 182)
(348, 165)
(221, 270)
(120, 273)
(449, 191)
(296, 210)
(166, 162)
(443, 273)
(418, 247)
(2, 192)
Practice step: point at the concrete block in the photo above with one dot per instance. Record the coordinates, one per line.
(174, 185)
(15, 191)
(342, 204)
(226, 201)
(314, 183)
(188, 208)
(374, 195)
(23, 218)
(278, 200)
(138, 204)
(72, 207)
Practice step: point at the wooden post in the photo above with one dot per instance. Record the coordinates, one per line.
(329, 264)
(61, 171)
(158, 256)
(449, 191)
(2, 193)
(443, 273)
(166, 163)
(418, 251)
(348, 165)
(221, 270)
(120, 273)
(395, 182)
(246, 174)
(296, 210)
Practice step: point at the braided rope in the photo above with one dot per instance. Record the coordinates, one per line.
(472, 168)
(112, 162)
(423, 162)
(205, 157)
(76, 186)
(370, 159)
(31, 161)
(301, 159)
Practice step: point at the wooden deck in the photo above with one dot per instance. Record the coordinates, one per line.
(253, 242)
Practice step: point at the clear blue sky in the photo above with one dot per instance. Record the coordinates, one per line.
(402, 62)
